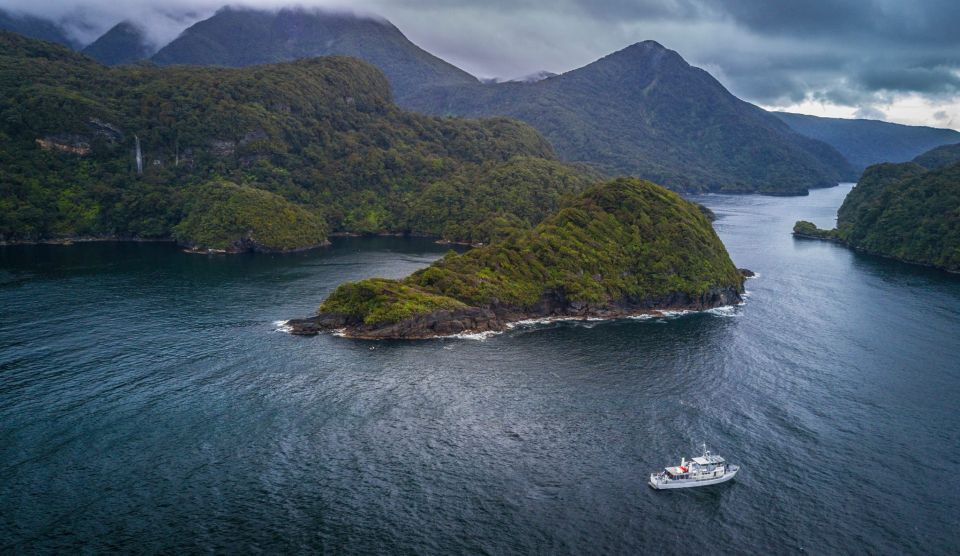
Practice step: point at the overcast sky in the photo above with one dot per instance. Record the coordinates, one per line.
(897, 60)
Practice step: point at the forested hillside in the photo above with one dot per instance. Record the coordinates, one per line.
(908, 211)
(622, 247)
(91, 150)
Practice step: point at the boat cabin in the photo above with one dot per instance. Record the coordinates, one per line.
(707, 466)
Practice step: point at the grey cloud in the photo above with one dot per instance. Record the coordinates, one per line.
(857, 53)
(937, 80)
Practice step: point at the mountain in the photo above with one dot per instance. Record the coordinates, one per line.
(645, 111)
(624, 247)
(144, 151)
(642, 111)
(36, 28)
(124, 43)
(908, 211)
(241, 37)
(866, 142)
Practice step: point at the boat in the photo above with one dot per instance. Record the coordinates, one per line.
(708, 469)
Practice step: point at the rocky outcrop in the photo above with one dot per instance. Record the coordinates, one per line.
(70, 144)
(496, 318)
(110, 132)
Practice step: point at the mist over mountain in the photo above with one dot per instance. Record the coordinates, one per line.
(35, 28)
(528, 78)
(867, 142)
(645, 111)
(124, 43)
(242, 37)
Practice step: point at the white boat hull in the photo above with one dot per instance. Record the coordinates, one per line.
(660, 483)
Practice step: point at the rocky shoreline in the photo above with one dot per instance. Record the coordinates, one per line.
(497, 318)
(249, 247)
(246, 247)
(83, 239)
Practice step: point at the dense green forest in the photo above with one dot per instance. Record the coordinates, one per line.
(321, 133)
(624, 240)
(230, 217)
(908, 211)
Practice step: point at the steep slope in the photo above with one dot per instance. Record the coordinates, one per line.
(242, 37)
(35, 28)
(908, 211)
(866, 142)
(621, 248)
(124, 43)
(644, 111)
(91, 150)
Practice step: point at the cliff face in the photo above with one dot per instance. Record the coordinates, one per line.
(622, 248)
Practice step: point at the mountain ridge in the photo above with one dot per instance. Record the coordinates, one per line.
(866, 142)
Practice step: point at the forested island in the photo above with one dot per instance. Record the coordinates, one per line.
(908, 211)
(623, 247)
(271, 158)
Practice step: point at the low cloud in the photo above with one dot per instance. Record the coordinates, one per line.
(870, 113)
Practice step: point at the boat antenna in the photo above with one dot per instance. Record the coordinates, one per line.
(705, 449)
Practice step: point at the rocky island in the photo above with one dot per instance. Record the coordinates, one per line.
(623, 247)
(908, 212)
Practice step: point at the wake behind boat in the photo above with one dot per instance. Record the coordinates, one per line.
(707, 469)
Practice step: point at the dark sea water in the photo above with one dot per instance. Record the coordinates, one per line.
(147, 404)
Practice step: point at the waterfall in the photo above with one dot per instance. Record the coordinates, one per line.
(138, 155)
